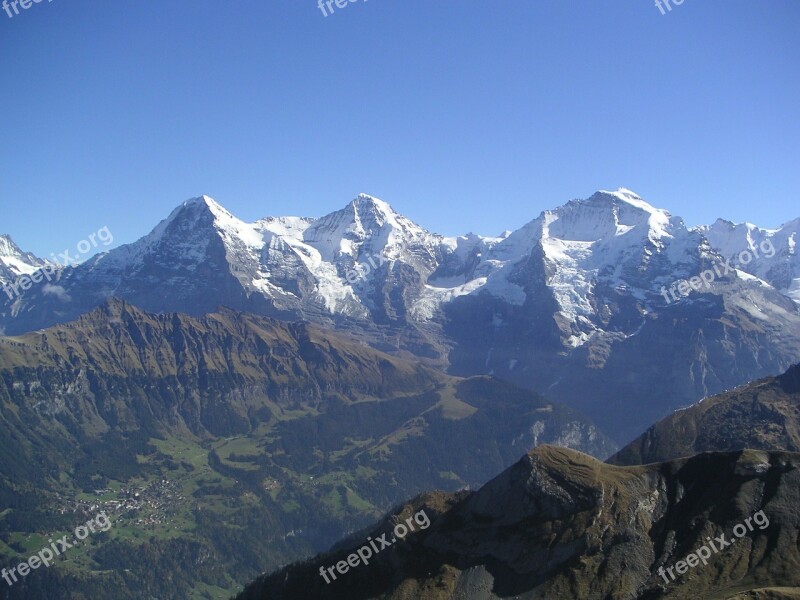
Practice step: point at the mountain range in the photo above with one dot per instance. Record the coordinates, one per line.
(575, 304)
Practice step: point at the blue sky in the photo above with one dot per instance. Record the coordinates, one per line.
(465, 116)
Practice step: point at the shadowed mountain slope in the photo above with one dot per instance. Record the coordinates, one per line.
(763, 415)
(559, 524)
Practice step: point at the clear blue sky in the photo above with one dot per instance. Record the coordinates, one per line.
(464, 115)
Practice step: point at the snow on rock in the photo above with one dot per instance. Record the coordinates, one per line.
(582, 263)
(14, 262)
(769, 254)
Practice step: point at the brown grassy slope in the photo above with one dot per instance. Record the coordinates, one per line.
(560, 524)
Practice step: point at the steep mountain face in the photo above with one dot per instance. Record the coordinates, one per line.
(589, 314)
(191, 262)
(574, 303)
(559, 524)
(14, 262)
(762, 415)
(223, 444)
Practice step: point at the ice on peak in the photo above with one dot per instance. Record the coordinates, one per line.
(628, 192)
(201, 215)
(628, 197)
(10, 251)
(605, 215)
(14, 261)
(7, 246)
(366, 203)
(363, 196)
(287, 227)
(209, 203)
(729, 225)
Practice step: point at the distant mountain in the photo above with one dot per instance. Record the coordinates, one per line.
(559, 524)
(772, 255)
(233, 442)
(599, 324)
(763, 415)
(582, 303)
(14, 262)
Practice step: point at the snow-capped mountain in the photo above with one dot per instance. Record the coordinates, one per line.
(769, 254)
(613, 242)
(575, 303)
(345, 251)
(14, 262)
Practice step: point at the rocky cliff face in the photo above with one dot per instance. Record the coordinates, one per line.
(559, 524)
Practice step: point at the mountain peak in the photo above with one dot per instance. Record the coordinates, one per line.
(8, 247)
(195, 208)
(365, 220)
(364, 204)
(14, 261)
(625, 196)
(207, 203)
(606, 215)
(203, 212)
